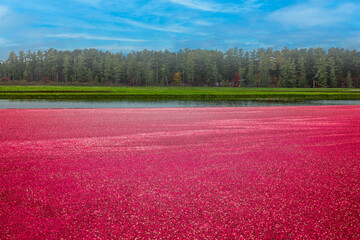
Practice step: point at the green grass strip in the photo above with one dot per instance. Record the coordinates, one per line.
(175, 93)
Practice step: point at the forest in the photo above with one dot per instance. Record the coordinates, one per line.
(313, 67)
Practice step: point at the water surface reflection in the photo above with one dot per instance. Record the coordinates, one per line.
(8, 104)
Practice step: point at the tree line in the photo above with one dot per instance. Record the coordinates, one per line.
(314, 67)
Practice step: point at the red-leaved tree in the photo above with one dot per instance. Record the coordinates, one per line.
(235, 81)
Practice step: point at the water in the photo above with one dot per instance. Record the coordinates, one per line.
(10, 104)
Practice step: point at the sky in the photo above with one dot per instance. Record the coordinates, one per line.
(118, 25)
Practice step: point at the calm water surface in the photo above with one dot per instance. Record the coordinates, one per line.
(7, 104)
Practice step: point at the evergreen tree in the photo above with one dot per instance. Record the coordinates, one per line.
(349, 80)
(79, 69)
(119, 68)
(322, 74)
(303, 80)
(12, 65)
(265, 66)
(250, 77)
(108, 66)
(262, 67)
(66, 67)
(291, 82)
(190, 68)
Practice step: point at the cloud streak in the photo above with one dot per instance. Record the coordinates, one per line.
(309, 15)
(173, 28)
(174, 24)
(93, 37)
(91, 2)
(3, 11)
(198, 5)
(217, 7)
(6, 43)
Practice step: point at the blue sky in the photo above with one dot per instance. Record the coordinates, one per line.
(118, 25)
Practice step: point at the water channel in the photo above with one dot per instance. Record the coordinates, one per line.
(20, 104)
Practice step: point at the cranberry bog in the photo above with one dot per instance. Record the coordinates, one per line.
(180, 173)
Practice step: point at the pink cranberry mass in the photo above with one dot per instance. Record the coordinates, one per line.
(180, 173)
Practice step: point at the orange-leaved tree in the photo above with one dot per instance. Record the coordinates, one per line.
(177, 78)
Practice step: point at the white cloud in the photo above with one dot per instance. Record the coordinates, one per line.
(3, 11)
(203, 23)
(113, 48)
(216, 7)
(6, 43)
(3, 41)
(172, 28)
(92, 37)
(311, 15)
(90, 2)
(204, 6)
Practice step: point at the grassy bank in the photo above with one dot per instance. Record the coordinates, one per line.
(175, 93)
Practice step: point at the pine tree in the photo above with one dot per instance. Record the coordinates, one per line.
(250, 77)
(349, 82)
(285, 68)
(303, 80)
(119, 68)
(66, 67)
(265, 66)
(322, 75)
(12, 65)
(131, 68)
(243, 61)
(190, 68)
(89, 75)
(39, 66)
(21, 64)
(291, 82)
(108, 73)
(79, 68)
(332, 75)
